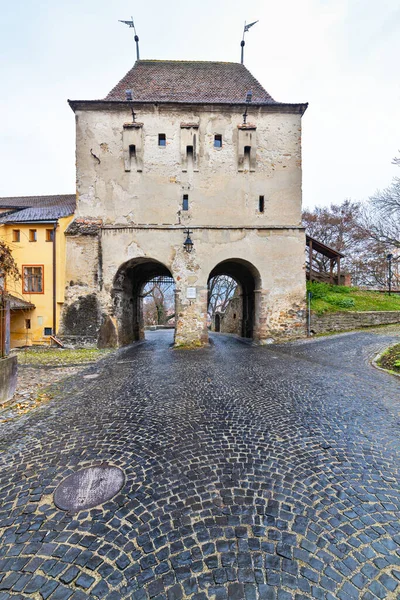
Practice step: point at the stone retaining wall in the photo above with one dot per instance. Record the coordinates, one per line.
(342, 321)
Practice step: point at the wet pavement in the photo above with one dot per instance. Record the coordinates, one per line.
(250, 473)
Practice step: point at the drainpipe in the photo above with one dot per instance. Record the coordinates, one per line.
(54, 280)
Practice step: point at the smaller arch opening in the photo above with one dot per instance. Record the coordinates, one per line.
(231, 295)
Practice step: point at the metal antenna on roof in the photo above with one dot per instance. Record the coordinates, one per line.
(132, 24)
(242, 43)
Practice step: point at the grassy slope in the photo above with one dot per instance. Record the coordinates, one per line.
(330, 298)
(59, 357)
(390, 359)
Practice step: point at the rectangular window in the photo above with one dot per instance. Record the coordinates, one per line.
(185, 203)
(261, 204)
(218, 141)
(48, 331)
(16, 235)
(32, 279)
(27, 323)
(246, 164)
(162, 141)
(33, 235)
(49, 235)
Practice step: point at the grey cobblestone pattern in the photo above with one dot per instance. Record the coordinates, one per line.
(251, 473)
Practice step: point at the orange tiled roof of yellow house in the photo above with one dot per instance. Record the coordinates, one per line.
(33, 227)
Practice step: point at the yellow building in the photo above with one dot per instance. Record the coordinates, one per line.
(33, 227)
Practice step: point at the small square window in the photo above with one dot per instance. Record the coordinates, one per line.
(162, 141)
(218, 141)
(16, 235)
(48, 331)
(33, 235)
(49, 235)
(185, 203)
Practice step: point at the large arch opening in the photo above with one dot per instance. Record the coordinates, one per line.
(137, 282)
(238, 308)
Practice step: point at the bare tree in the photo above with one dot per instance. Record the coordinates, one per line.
(220, 290)
(8, 266)
(158, 294)
(335, 226)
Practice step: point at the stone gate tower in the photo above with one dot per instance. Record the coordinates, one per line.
(180, 145)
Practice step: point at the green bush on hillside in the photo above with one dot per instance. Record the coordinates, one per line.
(341, 302)
(318, 290)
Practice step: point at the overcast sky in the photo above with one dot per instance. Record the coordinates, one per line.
(341, 56)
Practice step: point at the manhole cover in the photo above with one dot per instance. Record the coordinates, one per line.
(88, 488)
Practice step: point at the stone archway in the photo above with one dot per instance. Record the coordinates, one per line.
(127, 290)
(249, 280)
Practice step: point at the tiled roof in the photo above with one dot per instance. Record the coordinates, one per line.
(36, 208)
(189, 81)
(19, 303)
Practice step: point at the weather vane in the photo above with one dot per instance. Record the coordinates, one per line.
(242, 43)
(132, 24)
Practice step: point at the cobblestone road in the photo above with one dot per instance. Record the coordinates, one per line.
(251, 473)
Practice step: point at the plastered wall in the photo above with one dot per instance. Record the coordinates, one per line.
(139, 215)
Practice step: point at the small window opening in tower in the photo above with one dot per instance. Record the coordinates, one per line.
(189, 156)
(261, 204)
(162, 140)
(185, 202)
(218, 141)
(246, 161)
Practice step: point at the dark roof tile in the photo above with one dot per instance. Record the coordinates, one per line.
(36, 208)
(189, 81)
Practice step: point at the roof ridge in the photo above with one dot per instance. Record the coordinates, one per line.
(36, 196)
(174, 60)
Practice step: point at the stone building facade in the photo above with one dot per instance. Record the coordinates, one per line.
(230, 321)
(182, 145)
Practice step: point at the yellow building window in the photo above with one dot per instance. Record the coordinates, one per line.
(49, 235)
(16, 235)
(32, 279)
(33, 235)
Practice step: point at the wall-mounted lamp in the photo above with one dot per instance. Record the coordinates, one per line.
(129, 98)
(188, 244)
(249, 97)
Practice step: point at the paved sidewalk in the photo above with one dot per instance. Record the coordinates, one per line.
(251, 473)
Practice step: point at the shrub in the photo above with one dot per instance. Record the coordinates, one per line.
(341, 302)
(318, 290)
(341, 289)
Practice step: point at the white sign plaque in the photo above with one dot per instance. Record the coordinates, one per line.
(191, 293)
